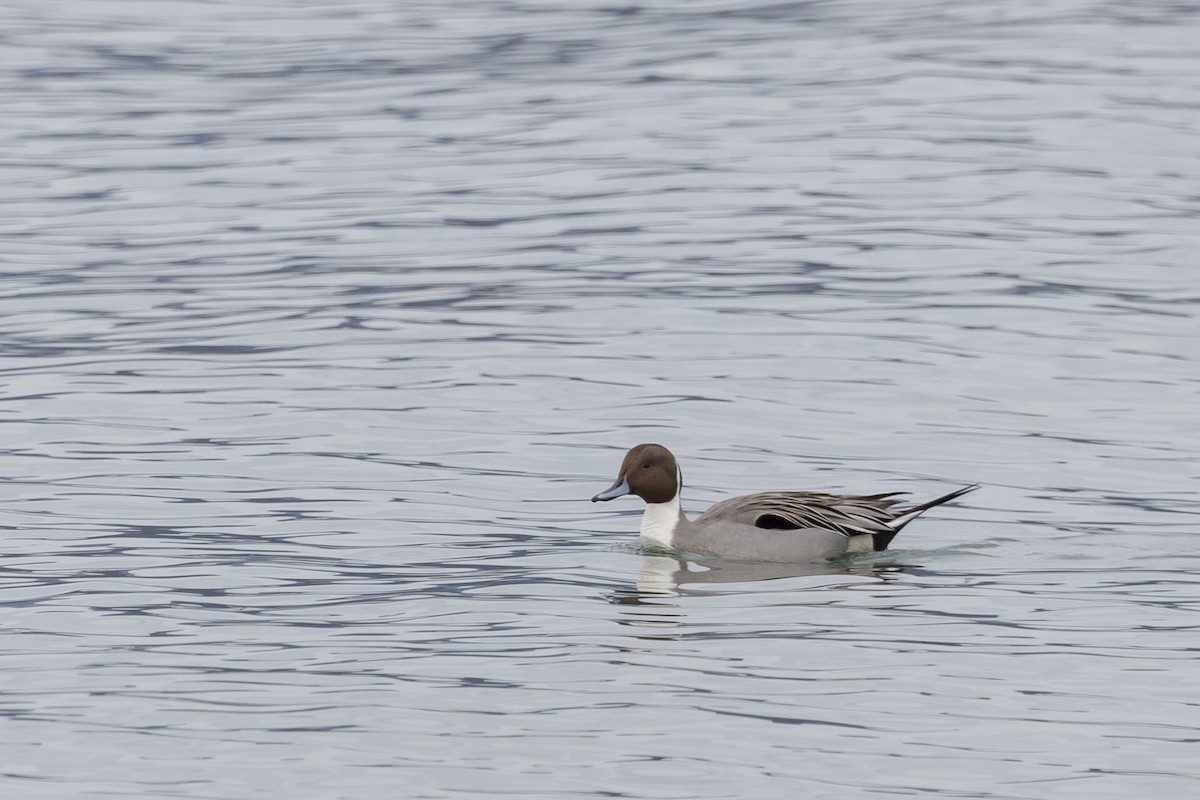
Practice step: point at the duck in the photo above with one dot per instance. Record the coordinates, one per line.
(768, 526)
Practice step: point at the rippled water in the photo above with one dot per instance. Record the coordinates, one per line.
(322, 321)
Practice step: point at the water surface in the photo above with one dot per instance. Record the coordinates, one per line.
(321, 322)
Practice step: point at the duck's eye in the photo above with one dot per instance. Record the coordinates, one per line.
(646, 465)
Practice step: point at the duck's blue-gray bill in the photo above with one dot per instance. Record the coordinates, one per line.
(621, 487)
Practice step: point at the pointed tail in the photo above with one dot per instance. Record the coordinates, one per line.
(882, 540)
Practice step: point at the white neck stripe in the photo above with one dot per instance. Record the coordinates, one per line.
(659, 521)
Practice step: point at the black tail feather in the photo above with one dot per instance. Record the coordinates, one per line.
(882, 540)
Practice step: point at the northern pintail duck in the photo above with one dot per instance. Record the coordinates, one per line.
(771, 526)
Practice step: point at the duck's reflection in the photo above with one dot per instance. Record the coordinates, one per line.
(651, 601)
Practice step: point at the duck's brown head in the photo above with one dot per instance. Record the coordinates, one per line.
(649, 471)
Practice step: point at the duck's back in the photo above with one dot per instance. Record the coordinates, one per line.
(851, 515)
(785, 526)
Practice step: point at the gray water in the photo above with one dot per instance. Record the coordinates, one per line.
(320, 323)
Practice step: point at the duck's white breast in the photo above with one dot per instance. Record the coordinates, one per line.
(658, 523)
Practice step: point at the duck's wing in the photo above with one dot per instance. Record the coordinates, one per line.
(849, 515)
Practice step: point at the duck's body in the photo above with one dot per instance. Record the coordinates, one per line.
(770, 526)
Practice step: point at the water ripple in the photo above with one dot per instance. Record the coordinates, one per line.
(322, 323)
